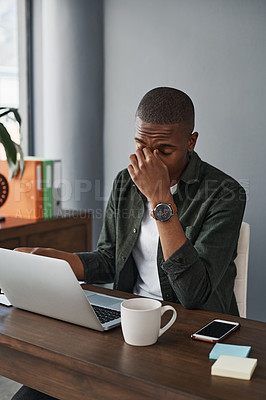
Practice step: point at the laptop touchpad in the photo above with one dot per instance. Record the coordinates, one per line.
(104, 301)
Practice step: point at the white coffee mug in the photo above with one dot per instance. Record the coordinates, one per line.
(141, 320)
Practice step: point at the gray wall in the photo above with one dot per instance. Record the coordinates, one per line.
(215, 51)
(68, 94)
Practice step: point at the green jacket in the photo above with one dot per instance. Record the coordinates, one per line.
(201, 273)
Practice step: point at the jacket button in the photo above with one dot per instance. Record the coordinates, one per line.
(134, 230)
(123, 258)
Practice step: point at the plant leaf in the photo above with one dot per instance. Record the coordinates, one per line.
(21, 160)
(2, 108)
(16, 114)
(13, 169)
(9, 146)
(8, 110)
(11, 110)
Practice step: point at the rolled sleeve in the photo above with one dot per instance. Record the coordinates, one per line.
(181, 260)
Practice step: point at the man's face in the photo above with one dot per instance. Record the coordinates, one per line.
(171, 140)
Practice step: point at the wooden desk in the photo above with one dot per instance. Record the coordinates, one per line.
(69, 232)
(74, 363)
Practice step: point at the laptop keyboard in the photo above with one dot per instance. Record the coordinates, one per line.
(105, 314)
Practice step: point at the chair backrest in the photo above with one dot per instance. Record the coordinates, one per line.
(241, 262)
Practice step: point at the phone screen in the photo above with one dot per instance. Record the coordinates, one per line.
(216, 329)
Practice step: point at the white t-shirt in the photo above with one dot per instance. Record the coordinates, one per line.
(145, 256)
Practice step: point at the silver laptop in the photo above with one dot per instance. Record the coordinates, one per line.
(48, 286)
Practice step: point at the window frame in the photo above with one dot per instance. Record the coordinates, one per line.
(25, 65)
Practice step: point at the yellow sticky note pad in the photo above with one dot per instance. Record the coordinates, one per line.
(234, 367)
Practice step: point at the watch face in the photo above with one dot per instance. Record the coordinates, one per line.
(163, 212)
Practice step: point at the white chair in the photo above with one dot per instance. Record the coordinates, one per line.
(241, 263)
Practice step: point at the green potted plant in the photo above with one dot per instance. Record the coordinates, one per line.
(11, 148)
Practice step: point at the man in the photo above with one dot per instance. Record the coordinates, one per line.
(172, 221)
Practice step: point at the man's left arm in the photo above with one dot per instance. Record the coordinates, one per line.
(196, 269)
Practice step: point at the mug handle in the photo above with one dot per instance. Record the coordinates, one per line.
(172, 320)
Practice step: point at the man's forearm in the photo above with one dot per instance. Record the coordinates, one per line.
(171, 233)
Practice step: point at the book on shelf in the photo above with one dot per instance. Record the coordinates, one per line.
(38, 194)
(47, 174)
(25, 195)
(51, 186)
(57, 188)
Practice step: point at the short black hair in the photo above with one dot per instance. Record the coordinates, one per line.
(166, 105)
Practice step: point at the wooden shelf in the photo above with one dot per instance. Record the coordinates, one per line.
(69, 232)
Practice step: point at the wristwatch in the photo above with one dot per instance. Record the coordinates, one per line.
(163, 212)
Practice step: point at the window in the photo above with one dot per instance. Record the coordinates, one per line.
(9, 81)
(9, 71)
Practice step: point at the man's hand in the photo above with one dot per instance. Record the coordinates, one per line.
(150, 175)
(71, 258)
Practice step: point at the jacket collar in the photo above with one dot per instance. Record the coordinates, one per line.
(192, 170)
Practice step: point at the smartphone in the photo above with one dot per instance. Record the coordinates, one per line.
(215, 331)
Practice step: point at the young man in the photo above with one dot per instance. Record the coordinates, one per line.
(172, 221)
